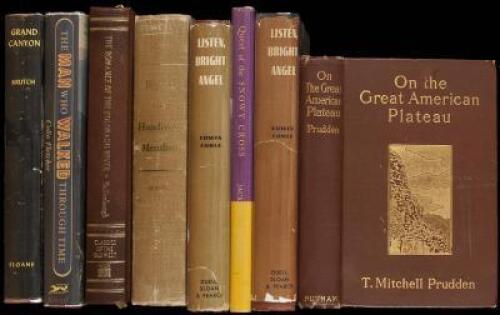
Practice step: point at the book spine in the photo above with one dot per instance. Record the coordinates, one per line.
(160, 160)
(109, 156)
(243, 23)
(64, 158)
(320, 185)
(276, 114)
(22, 173)
(209, 171)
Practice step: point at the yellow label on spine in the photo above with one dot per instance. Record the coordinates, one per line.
(241, 256)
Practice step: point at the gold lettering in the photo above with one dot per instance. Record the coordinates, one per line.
(24, 43)
(419, 283)
(24, 32)
(23, 82)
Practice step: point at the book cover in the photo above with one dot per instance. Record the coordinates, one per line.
(243, 29)
(320, 184)
(209, 166)
(64, 157)
(160, 159)
(109, 156)
(275, 151)
(420, 183)
(24, 43)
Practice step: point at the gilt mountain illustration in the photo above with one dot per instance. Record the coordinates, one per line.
(419, 213)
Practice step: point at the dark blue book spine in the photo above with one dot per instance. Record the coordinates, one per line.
(64, 158)
(22, 175)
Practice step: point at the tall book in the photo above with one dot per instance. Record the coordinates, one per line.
(275, 146)
(64, 157)
(320, 185)
(243, 23)
(109, 156)
(420, 148)
(160, 160)
(24, 44)
(208, 165)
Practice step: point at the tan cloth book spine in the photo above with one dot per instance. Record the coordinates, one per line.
(275, 145)
(209, 177)
(160, 158)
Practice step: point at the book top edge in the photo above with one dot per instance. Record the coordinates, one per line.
(76, 13)
(214, 22)
(322, 57)
(430, 59)
(271, 14)
(161, 16)
(24, 14)
(328, 57)
(117, 7)
(244, 8)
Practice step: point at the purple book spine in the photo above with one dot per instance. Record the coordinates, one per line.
(243, 19)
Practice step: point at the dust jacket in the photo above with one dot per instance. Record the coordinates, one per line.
(242, 195)
(160, 159)
(64, 157)
(209, 181)
(24, 46)
(277, 44)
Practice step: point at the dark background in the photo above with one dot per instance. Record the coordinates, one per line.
(409, 29)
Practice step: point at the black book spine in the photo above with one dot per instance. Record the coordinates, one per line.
(22, 175)
(64, 158)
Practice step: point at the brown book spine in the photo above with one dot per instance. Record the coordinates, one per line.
(109, 156)
(320, 184)
(209, 177)
(160, 157)
(275, 144)
(419, 221)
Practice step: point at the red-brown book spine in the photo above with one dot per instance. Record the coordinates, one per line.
(109, 148)
(320, 182)
(275, 147)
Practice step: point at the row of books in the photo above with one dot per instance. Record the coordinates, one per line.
(165, 161)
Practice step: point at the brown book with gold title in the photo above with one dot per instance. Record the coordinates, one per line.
(320, 184)
(109, 155)
(275, 153)
(160, 159)
(420, 183)
(208, 166)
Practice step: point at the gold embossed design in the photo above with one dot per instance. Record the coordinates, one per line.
(419, 201)
(62, 288)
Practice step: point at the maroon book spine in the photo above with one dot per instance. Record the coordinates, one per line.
(320, 182)
(109, 156)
